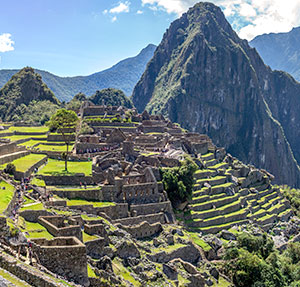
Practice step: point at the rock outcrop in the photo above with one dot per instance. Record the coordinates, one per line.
(206, 78)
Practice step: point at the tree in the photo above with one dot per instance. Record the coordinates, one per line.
(63, 121)
(179, 181)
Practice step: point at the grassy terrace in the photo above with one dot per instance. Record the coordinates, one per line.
(219, 165)
(41, 129)
(33, 230)
(57, 167)
(34, 206)
(24, 163)
(57, 148)
(73, 202)
(31, 143)
(21, 137)
(38, 182)
(6, 195)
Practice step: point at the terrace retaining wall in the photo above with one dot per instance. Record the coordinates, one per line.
(19, 174)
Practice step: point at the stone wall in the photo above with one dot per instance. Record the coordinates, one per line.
(56, 226)
(65, 256)
(7, 148)
(113, 211)
(94, 248)
(33, 215)
(150, 218)
(151, 208)
(142, 230)
(86, 194)
(32, 276)
(95, 229)
(188, 253)
(67, 180)
(59, 138)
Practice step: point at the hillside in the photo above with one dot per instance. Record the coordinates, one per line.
(111, 97)
(281, 51)
(124, 75)
(204, 77)
(24, 89)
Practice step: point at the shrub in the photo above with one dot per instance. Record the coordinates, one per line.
(10, 169)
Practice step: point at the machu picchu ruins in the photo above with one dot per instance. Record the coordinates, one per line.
(109, 221)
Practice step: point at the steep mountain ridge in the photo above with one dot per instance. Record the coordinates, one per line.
(281, 51)
(22, 89)
(208, 80)
(124, 75)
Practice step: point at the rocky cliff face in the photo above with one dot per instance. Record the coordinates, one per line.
(210, 81)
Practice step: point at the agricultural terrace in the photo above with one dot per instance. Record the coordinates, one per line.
(6, 195)
(24, 163)
(57, 167)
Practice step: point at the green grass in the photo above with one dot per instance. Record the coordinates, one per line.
(24, 163)
(6, 195)
(73, 202)
(86, 237)
(21, 137)
(218, 165)
(57, 148)
(38, 182)
(207, 155)
(169, 248)
(198, 241)
(31, 143)
(42, 129)
(12, 279)
(57, 167)
(37, 206)
(120, 270)
(28, 200)
(34, 230)
(91, 272)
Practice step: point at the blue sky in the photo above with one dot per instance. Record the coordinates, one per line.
(79, 37)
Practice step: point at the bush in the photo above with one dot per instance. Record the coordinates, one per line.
(10, 169)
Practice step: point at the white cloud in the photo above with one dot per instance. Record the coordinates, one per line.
(6, 43)
(114, 19)
(105, 12)
(249, 17)
(123, 7)
(139, 12)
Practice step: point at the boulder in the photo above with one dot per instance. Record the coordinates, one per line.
(227, 235)
(170, 271)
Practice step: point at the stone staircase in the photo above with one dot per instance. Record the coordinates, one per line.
(228, 193)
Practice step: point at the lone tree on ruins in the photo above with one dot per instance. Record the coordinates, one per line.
(64, 122)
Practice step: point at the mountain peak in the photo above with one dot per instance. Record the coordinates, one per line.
(207, 79)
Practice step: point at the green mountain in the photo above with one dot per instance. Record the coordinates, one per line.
(281, 51)
(207, 79)
(124, 75)
(24, 89)
(111, 97)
